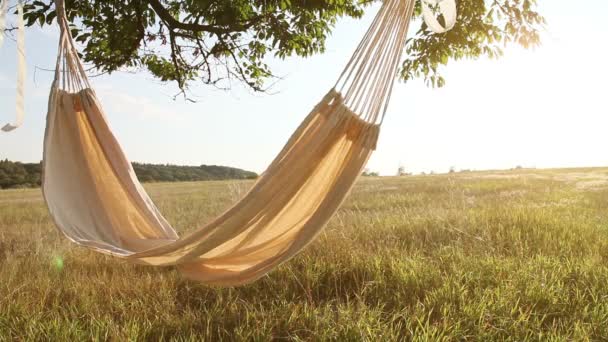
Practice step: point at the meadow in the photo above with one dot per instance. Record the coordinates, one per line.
(481, 256)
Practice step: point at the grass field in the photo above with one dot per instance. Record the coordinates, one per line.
(514, 255)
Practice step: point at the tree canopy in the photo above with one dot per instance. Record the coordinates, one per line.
(217, 41)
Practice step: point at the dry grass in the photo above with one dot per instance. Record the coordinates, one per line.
(517, 255)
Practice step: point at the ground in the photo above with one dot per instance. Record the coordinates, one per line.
(514, 255)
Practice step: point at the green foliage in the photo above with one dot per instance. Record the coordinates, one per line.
(480, 256)
(19, 175)
(484, 28)
(27, 175)
(215, 41)
(205, 40)
(176, 173)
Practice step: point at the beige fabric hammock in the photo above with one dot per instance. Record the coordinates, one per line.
(96, 200)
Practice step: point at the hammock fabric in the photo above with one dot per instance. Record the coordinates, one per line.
(96, 200)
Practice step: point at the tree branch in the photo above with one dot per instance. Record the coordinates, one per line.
(173, 23)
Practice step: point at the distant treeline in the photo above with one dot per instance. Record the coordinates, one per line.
(27, 175)
(176, 173)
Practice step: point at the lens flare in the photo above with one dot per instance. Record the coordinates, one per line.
(57, 263)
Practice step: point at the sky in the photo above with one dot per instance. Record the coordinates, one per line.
(532, 108)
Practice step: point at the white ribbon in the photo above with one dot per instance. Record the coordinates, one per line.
(3, 10)
(448, 10)
(21, 67)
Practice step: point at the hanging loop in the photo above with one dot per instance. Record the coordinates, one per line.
(447, 9)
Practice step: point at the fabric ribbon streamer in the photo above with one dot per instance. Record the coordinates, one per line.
(21, 67)
(3, 9)
(448, 10)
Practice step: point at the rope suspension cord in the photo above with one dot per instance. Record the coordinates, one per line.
(369, 75)
(69, 72)
(368, 79)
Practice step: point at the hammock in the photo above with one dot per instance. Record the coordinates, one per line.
(96, 200)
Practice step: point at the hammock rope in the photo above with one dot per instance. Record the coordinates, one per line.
(97, 202)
